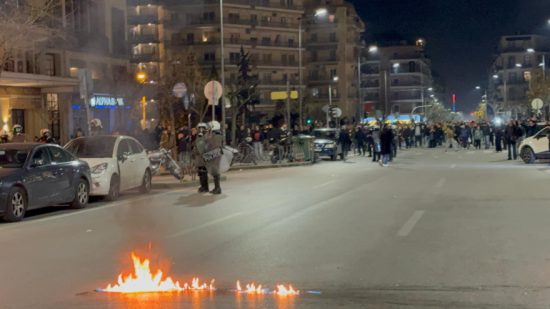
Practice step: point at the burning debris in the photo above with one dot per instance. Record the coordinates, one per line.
(143, 280)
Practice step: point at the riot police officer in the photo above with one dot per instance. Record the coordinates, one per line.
(18, 135)
(198, 150)
(46, 137)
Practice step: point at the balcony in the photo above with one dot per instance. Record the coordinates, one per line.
(143, 19)
(145, 58)
(279, 82)
(244, 22)
(261, 43)
(144, 38)
(143, 2)
(272, 4)
(276, 63)
(323, 59)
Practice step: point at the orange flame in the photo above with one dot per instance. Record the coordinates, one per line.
(251, 288)
(142, 280)
(284, 291)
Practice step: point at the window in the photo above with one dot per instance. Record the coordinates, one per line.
(284, 59)
(314, 55)
(234, 58)
(190, 38)
(333, 73)
(123, 148)
(59, 155)
(292, 59)
(314, 37)
(511, 61)
(209, 57)
(234, 17)
(266, 58)
(18, 117)
(135, 147)
(40, 157)
(332, 37)
(208, 16)
(49, 65)
(412, 66)
(253, 19)
(290, 42)
(332, 56)
(52, 106)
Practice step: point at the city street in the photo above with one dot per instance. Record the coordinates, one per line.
(457, 229)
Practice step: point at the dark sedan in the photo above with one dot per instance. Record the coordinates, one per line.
(38, 175)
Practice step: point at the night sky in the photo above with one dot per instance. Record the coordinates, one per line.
(461, 35)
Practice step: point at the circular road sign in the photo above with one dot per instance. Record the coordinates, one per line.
(213, 91)
(179, 90)
(537, 104)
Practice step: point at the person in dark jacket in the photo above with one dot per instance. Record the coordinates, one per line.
(344, 139)
(511, 134)
(499, 134)
(386, 141)
(361, 139)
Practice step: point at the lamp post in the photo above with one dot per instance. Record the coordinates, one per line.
(222, 71)
(301, 74)
(334, 79)
(141, 78)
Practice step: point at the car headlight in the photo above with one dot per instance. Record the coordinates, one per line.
(330, 145)
(99, 169)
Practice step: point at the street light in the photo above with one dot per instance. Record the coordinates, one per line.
(373, 49)
(321, 12)
(478, 87)
(518, 65)
(495, 76)
(334, 79)
(530, 50)
(430, 89)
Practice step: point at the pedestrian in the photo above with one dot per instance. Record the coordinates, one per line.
(511, 136)
(361, 140)
(418, 135)
(376, 144)
(499, 134)
(477, 135)
(486, 129)
(386, 141)
(257, 142)
(344, 140)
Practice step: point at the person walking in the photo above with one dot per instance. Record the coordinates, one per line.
(361, 140)
(386, 143)
(499, 134)
(418, 135)
(511, 137)
(478, 135)
(376, 144)
(344, 140)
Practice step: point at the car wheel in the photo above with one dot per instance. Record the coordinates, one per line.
(146, 182)
(333, 157)
(82, 195)
(114, 189)
(527, 155)
(16, 205)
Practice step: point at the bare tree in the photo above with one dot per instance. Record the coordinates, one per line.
(26, 25)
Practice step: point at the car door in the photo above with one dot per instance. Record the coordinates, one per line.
(140, 163)
(540, 142)
(64, 173)
(125, 161)
(40, 181)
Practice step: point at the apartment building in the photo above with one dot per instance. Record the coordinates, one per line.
(518, 58)
(266, 29)
(333, 49)
(39, 88)
(396, 78)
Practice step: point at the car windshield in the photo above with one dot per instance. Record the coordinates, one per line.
(13, 158)
(324, 134)
(543, 133)
(92, 147)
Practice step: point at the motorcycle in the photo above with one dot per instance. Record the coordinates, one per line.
(162, 157)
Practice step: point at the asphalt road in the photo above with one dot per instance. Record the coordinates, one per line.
(436, 229)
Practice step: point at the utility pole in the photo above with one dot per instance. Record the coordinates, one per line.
(222, 71)
(288, 104)
(301, 74)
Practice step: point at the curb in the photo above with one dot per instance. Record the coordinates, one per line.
(254, 167)
(184, 184)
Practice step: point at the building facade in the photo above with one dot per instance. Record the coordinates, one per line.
(266, 29)
(518, 58)
(396, 79)
(334, 47)
(40, 88)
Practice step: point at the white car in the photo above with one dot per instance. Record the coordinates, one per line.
(535, 147)
(117, 163)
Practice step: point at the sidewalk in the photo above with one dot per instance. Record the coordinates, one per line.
(170, 182)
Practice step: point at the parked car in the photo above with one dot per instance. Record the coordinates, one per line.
(36, 175)
(326, 143)
(535, 147)
(118, 163)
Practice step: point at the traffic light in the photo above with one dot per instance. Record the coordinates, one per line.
(335, 112)
(309, 121)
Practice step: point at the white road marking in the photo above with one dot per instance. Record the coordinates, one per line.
(205, 225)
(453, 165)
(409, 225)
(441, 182)
(324, 184)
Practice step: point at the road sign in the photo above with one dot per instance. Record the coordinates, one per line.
(325, 108)
(537, 104)
(283, 95)
(213, 91)
(179, 90)
(336, 112)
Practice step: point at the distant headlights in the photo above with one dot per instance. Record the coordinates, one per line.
(99, 169)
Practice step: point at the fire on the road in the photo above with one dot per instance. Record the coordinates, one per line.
(251, 288)
(286, 291)
(142, 280)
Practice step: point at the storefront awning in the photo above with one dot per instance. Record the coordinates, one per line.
(13, 79)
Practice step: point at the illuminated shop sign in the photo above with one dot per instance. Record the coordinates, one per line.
(104, 101)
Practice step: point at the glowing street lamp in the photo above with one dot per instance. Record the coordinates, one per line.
(495, 76)
(518, 65)
(530, 50)
(373, 49)
(141, 77)
(321, 12)
(478, 87)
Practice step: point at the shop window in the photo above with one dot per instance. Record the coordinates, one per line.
(18, 117)
(52, 105)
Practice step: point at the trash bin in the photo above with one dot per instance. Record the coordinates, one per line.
(304, 147)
